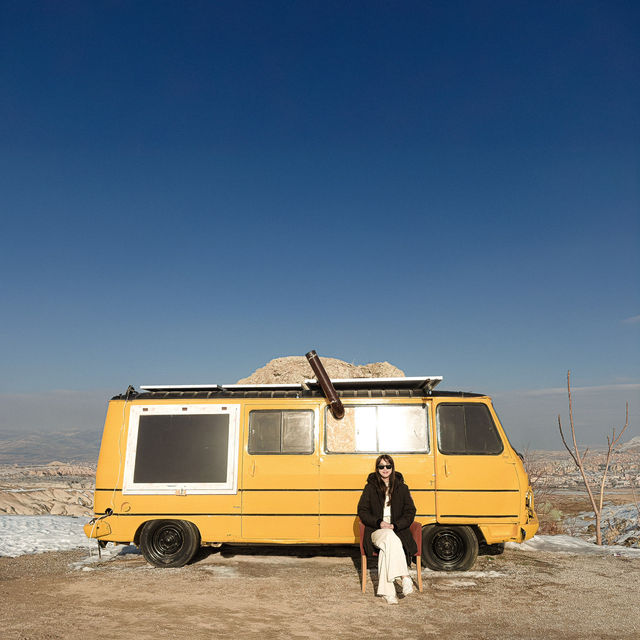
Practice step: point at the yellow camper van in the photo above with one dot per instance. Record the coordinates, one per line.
(187, 466)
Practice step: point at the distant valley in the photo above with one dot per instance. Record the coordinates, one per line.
(42, 447)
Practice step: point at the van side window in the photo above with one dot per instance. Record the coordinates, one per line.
(467, 429)
(281, 432)
(182, 449)
(378, 428)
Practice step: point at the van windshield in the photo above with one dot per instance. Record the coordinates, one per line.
(467, 429)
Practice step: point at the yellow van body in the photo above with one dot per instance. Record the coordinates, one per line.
(306, 497)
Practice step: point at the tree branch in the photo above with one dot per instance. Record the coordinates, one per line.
(564, 442)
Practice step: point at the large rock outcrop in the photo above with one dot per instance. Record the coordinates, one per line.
(295, 369)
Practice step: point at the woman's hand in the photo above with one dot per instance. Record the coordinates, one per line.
(385, 525)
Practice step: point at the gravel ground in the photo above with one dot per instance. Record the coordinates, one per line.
(302, 592)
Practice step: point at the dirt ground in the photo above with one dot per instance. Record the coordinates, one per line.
(285, 592)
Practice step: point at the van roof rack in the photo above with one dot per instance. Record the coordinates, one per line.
(424, 383)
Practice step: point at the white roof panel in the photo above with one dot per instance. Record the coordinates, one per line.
(264, 387)
(217, 387)
(180, 387)
(417, 382)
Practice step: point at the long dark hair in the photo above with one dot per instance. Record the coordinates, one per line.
(392, 478)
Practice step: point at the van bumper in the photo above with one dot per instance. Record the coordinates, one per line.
(529, 529)
(97, 529)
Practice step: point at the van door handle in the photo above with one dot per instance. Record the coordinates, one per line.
(446, 469)
(253, 468)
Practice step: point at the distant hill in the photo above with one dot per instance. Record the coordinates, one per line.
(42, 448)
(632, 446)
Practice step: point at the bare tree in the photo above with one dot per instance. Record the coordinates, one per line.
(536, 471)
(579, 458)
(635, 499)
(549, 517)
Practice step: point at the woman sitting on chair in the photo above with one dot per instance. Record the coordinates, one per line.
(387, 511)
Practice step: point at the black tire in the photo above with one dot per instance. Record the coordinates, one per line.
(449, 547)
(169, 543)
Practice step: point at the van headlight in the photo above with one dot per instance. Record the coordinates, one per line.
(529, 499)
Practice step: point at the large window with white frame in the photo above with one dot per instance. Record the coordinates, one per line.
(182, 448)
(382, 428)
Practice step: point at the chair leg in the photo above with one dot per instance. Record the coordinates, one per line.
(419, 567)
(363, 566)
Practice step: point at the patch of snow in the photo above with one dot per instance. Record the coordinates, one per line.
(570, 544)
(454, 584)
(20, 535)
(620, 525)
(110, 552)
(465, 574)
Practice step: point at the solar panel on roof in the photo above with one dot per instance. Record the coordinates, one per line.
(263, 387)
(418, 382)
(180, 387)
(219, 387)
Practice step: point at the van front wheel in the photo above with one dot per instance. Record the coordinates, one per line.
(449, 548)
(169, 543)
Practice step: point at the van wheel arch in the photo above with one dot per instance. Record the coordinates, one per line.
(168, 543)
(449, 547)
(486, 549)
(136, 535)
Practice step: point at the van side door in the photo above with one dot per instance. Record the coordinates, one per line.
(280, 474)
(476, 477)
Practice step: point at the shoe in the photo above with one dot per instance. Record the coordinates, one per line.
(407, 586)
(391, 599)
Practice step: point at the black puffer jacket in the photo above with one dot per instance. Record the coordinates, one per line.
(403, 511)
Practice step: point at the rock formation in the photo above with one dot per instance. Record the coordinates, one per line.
(295, 369)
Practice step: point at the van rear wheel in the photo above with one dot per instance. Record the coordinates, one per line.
(449, 547)
(169, 543)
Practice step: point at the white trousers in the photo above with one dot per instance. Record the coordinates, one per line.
(392, 562)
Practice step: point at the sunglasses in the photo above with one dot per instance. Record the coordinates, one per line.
(385, 466)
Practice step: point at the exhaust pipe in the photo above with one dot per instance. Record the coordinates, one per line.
(335, 404)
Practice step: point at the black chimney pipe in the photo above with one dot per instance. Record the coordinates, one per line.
(335, 404)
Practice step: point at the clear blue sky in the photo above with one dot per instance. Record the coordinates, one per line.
(189, 189)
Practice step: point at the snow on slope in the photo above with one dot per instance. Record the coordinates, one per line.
(20, 535)
(620, 525)
(569, 544)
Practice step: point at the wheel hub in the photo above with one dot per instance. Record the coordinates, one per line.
(168, 541)
(447, 546)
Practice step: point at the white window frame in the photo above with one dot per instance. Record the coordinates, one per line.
(230, 486)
